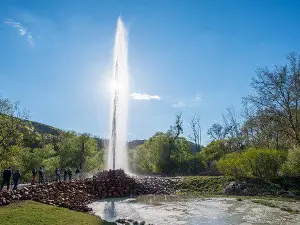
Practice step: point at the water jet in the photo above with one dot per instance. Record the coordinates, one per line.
(117, 152)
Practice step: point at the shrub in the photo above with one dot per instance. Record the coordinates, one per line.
(232, 165)
(292, 165)
(261, 163)
(264, 163)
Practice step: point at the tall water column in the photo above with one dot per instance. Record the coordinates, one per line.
(117, 152)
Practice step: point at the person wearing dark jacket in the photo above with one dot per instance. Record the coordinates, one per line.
(57, 173)
(70, 173)
(41, 176)
(16, 179)
(77, 172)
(33, 176)
(65, 174)
(6, 178)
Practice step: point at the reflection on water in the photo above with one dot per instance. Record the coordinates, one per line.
(109, 211)
(179, 210)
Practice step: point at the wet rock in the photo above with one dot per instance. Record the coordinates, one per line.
(234, 188)
(122, 221)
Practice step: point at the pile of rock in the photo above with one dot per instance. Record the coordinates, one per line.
(113, 183)
(77, 194)
(70, 195)
(157, 185)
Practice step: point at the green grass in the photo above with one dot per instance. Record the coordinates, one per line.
(287, 209)
(202, 185)
(270, 204)
(264, 202)
(31, 213)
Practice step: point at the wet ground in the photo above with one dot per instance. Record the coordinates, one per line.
(163, 210)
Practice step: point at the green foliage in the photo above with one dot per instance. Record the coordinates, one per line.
(264, 163)
(213, 151)
(292, 165)
(260, 163)
(232, 164)
(153, 156)
(23, 147)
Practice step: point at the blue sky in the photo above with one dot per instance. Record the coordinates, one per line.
(198, 56)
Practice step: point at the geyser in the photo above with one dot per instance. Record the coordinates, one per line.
(117, 152)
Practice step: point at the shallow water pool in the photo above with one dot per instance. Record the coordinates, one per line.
(163, 210)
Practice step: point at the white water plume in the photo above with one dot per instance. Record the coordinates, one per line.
(117, 152)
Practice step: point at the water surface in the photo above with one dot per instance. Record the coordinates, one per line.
(163, 210)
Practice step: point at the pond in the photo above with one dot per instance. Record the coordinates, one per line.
(162, 210)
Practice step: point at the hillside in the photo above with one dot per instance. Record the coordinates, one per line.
(45, 129)
(102, 143)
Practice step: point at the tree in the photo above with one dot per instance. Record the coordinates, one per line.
(173, 133)
(176, 129)
(12, 126)
(194, 123)
(218, 131)
(277, 95)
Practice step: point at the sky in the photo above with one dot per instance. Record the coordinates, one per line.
(192, 57)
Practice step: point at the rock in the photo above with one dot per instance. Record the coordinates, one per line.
(234, 188)
(122, 221)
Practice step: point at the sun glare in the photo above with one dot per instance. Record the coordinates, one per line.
(115, 86)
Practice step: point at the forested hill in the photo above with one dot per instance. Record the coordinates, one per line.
(103, 143)
(45, 129)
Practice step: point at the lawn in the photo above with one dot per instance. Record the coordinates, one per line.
(31, 213)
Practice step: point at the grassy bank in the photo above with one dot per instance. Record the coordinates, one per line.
(276, 205)
(210, 185)
(31, 213)
(202, 185)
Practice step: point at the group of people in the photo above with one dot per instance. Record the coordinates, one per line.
(67, 174)
(6, 178)
(41, 176)
(16, 176)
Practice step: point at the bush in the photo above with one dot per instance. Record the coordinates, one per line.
(264, 163)
(292, 165)
(260, 163)
(232, 165)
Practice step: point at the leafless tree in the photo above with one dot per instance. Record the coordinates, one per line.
(194, 123)
(277, 96)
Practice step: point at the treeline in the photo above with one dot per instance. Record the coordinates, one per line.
(263, 141)
(24, 148)
(167, 153)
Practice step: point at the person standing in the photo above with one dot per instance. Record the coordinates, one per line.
(70, 173)
(77, 172)
(57, 173)
(65, 174)
(41, 176)
(33, 176)
(16, 179)
(6, 178)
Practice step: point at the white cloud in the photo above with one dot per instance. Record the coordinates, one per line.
(179, 104)
(188, 102)
(144, 96)
(21, 29)
(198, 97)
